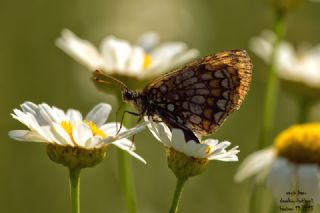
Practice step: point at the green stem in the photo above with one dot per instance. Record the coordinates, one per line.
(75, 189)
(304, 108)
(177, 195)
(254, 198)
(127, 180)
(271, 92)
(274, 208)
(272, 82)
(126, 173)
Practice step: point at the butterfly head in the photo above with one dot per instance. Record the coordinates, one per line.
(128, 95)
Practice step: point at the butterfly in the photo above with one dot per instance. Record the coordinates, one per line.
(198, 97)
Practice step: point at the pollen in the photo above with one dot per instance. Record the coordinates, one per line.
(147, 61)
(67, 126)
(95, 130)
(300, 143)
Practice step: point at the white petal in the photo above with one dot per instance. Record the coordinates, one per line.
(81, 50)
(26, 135)
(94, 142)
(74, 116)
(122, 134)
(35, 111)
(255, 163)
(124, 146)
(135, 62)
(29, 120)
(308, 181)
(111, 128)
(161, 132)
(115, 53)
(212, 142)
(168, 50)
(81, 133)
(196, 150)
(62, 137)
(281, 178)
(172, 63)
(148, 40)
(224, 155)
(49, 114)
(99, 114)
(263, 45)
(178, 142)
(25, 118)
(29, 107)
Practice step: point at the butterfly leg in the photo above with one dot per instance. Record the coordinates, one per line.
(122, 118)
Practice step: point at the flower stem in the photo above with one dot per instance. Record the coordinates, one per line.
(271, 92)
(177, 195)
(272, 82)
(126, 173)
(74, 175)
(127, 180)
(304, 108)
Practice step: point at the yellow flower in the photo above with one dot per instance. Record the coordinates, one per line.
(292, 164)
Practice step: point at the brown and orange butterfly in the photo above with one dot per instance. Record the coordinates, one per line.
(198, 97)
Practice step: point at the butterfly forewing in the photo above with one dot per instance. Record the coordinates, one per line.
(202, 94)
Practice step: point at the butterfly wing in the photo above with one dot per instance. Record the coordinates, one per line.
(202, 94)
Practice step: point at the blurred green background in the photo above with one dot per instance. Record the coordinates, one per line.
(32, 68)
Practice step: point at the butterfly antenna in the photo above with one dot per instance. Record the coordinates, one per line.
(99, 80)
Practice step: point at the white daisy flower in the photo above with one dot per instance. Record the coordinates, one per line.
(290, 166)
(301, 66)
(209, 148)
(189, 158)
(143, 60)
(69, 130)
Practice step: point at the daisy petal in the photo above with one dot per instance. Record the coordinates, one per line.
(115, 53)
(81, 133)
(123, 144)
(99, 114)
(63, 138)
(135, 61)
(74, 116)
(148, 40)
(308, 181)
(26, 135)
(250, 166)
(280, 178)
(81, 50)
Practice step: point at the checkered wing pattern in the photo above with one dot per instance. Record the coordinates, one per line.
(202, 94)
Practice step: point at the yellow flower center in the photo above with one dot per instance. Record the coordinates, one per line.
(300, 143)
(95, 130)
(68, 127)
(147, 61)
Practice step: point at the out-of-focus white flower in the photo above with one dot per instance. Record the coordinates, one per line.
(301, 66)
(53, 126)
(143, 60)
(290, 166)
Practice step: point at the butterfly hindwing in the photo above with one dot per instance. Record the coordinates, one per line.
(202, 94)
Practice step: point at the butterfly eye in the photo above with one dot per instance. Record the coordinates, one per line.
(127, 95)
